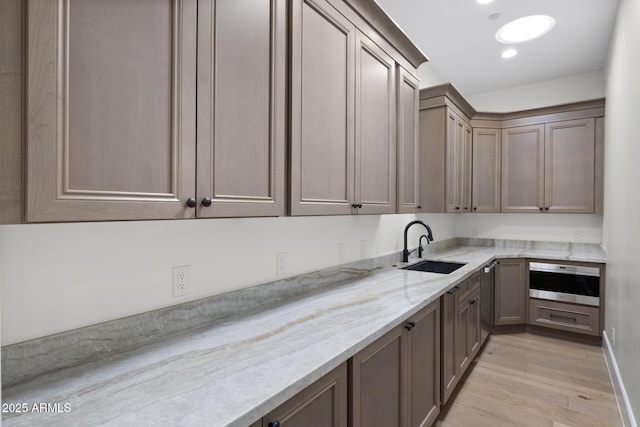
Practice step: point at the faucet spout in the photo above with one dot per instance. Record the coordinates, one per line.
(405, 251)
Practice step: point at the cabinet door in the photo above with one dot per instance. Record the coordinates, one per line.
(424, 366)
(378, 391)
(570, 166)
(487, 158)
(452, 146)
(322, 109)
(474, 324)
(322, 404)
(458, 167)
(241, 107)
(375, 154)
(510, 292)
(523, 169)
(464, 164)
(463, 324)
(434, 148)
(110, 109)
(449, 368)
(408, 153)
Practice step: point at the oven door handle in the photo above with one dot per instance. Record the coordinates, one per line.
(488, 268)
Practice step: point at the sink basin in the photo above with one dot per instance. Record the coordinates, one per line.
(435, 266)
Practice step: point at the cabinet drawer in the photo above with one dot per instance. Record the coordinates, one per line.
(463, 290)
(568, 317)
(474, 282)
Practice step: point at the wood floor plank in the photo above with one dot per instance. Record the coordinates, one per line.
(531, 380)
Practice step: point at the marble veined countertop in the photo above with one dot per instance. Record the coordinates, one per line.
(233, 373)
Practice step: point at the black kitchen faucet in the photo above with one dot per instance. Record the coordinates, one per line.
(405, 251)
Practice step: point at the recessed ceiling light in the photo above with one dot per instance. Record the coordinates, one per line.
(483, 1)
(509, 53)
(525, 29)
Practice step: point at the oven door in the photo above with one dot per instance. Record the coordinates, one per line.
(566, 283)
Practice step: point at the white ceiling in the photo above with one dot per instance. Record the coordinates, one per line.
(459, 39)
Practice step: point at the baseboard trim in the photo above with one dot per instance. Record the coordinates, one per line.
(624, 405)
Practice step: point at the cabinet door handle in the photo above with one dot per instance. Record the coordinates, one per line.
(191, 202)
(457, 208)
(453, 290)
(473, 301)
(418, 207)
(541, 209)
(563, 317)
(274, 424)
(206, 202)
(546, 208)
(410, 326)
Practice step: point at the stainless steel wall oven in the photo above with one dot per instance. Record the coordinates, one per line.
(564, 282)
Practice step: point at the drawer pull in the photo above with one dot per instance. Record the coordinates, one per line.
(557, 316)
(274, 424)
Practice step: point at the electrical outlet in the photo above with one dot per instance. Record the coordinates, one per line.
(341, 251)
(578, 235)
(363, 248)
(181, 281)
(281, 263)
(613, 336)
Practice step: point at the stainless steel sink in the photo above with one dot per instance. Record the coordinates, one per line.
(441, 267)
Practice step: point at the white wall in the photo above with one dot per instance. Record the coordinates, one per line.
(580, 87)
(57, 277)
(621, 222)
(541, 227)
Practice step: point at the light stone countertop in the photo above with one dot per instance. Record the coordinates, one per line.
(235, 372)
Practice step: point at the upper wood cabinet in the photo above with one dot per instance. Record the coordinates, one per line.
(408, 92)
(570, 166)
(549, 167)
(445, 160)
(375, 121)
(183, 108)
(544, 160)
(343, 121)
(523, 169)
(486, 169)
(110, 109)
(446, 138)
(241, 108)
(322, 110)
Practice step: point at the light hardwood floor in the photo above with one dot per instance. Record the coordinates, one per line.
(526, 379)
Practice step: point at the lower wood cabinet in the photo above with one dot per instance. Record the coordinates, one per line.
(322, 404)
(583, 319)
(460, 332)
(510, 292)
(468, 329)
(395, 380)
